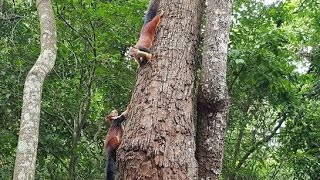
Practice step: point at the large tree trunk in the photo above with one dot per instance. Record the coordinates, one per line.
(213, 98)
(25, 163)
(159, 134)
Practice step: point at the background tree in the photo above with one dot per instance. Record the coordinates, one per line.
(25, 163)
(212, 105)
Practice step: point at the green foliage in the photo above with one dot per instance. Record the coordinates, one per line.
(275, 108)
(274, 116)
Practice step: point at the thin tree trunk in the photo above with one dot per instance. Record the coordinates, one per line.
(159, 134)
(237, 148)
(84, 108)
(213, 98)
(25, 163)
(86, 83)
(83, 111)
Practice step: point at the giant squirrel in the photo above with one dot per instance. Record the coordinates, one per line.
(141, 51)
(113, 140)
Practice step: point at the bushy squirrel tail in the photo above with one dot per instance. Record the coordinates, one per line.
(152, 11)
(111, 163)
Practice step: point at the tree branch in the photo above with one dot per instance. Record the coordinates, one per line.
(75, 30)
(235, 78)
(10, 17)
(259, 143)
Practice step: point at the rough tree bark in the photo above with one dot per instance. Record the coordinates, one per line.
(159, 134)
(213, 95)
(25, 163)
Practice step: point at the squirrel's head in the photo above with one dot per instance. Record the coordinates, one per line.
(109, 118)
(133, 51)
